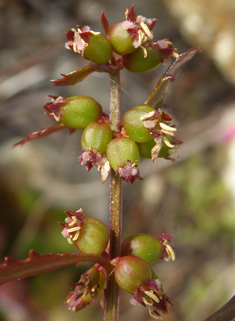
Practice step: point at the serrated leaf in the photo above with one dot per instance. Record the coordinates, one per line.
(156, 98)
(42, 132)
(41, 263)
(79, 75)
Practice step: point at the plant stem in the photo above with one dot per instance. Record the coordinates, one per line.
(112, 292)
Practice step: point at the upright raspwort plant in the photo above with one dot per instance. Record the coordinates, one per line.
(114, 147)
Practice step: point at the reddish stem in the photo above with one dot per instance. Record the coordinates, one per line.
(112, 292)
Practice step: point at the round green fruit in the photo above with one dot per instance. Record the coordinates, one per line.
(120, 39)
(145, 148)
(79, 111)
(137, 62)
(99, 49)
(96, 136)
(93, 237)
(134, 126)
(120, 151)
(142, 245)
(130, 271)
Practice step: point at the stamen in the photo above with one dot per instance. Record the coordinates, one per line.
(147, 302)
(152, 296)
(146, 30)
(170, 252)
(57, 118)
(69, 239)
(167, 128)
(148, 115)
(144, 51)
(74, 229)
(76, 236)
(74, 221)
(166, 141)
(153, 315)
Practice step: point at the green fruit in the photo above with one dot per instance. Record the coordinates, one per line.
(99, 49)
(137, 62)
(130, 271)
(134, 126)
(120, 151)
(96, 136)
(145, 148)
(142, 245)
(79, 111)
(93, 236)
(120, 39)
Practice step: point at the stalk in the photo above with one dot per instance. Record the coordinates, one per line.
(112, 292)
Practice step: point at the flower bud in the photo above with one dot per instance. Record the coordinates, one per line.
(75, 112)
(134, 125)
(123, 156)
(90, 235)
(142, 245)
(146, 59)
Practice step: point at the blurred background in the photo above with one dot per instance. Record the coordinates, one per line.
(192, 199)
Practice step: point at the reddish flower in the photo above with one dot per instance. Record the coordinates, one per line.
(138, 27)
(167, 251)
(87, 290)
(158, 123)
(149, 293)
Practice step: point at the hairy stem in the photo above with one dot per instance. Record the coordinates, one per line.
(112, 293)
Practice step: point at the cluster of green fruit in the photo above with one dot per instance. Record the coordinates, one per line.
(143, 126)
(131, 269)
(144, 131)
(127, 44)
(130, 38)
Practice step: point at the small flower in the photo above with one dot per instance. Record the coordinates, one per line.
(134, 275)
(87, 290)
(130, 172)
(74, 224)
(149, 293)
(167, 251)
(134, 32)
(158, 123)
(138, 27)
